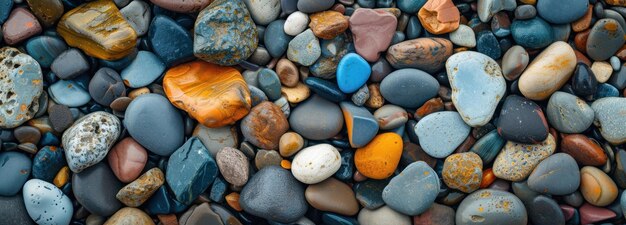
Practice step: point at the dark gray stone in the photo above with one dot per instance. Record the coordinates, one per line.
(95, 189)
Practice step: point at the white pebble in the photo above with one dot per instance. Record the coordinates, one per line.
(316, 163)
(296, 23)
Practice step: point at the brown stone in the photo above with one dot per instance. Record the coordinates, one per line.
(127, 159)
(20, 25)
(430, 106)
(580, 40)
(290, 143)
(169, 219)
(439, 16)
(581, 58)
(287, 72)
(182, 6)
(437, 214)
(376, 99)
(413, 153)
(48, 11)
(233, 165)
(140, 190)
(232, 200)
(427, 54)
(128, 215)
(328, 24)
(372, 31)
(27, 134)
(332, 195)
(264, 125)
(621, 53)
(585, 151)
(584, 22)
(466, 145)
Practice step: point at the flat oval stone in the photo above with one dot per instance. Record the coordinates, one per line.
(21, 85)
(215, 139)
(409, 88)
(190, 170)
(360, 123)
(416, 200)
(117, 41)
(69, 93)
(380, 157)
(605, 38)
(233, 165)
(20, 25)
(463, 36)
(568, 113)
(212, 94)
(441, 132)
(372, 31)
(95, 189)
(13, 210)
(516, 110)
(106, 85)
(45, 49)
(224, 33)
(137, 14)
(533, 33)
(559, 167)
(609, 119)
(463, 171)
(255, 127)
(16, 168)
(138, 192)
(47, 163)
(276, 39)
(127, 159)
(144, 69)
(304, 49)
(560, 12)
(516, 161)
(382, 215)
(477, 84)
(548, 71)
(129, 215)
(490, 206)
(88, 141)
(269, 83)
(182, 6)
(316, 119)
(46, 204)
(170, 41)
(586, 151)
(268, 192)
(597, 188)
(296, 23)
(545, 210)
(149, 113)
(427, 54)
(332, 195)
(352, 73)
(315, 163)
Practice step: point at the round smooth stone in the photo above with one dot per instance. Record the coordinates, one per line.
(332, 195)
(144, 70)
(463, 36)
(296, 23)
(369, 44)
(328, 24)
(268, 192)
(276, 39)
(88, 141)
(20, 25)
(478, 84)
(263, 12)
(290, 143)
(413, 30)
(182, 6)
(13, 210)
(288, 6)
(352, 72)
(427, 54)
(304, 49)
(382, 215)
(489, 206)
(542, 78)
(16, 169)
(27, 134)
(233, 165)
(487, 8)
(224, 33)
(311, 6)
(46, 204)
(170, 41)
(609, 118)
(129, 215)
(287, 72)
(463, 171)
(190, 170)
(409, 88)
(369, 193)
(597, 188)
(45, 49)
(199, 214)
(70, 64)
(101, 180)
(215, 139)
(618, 79)
(568, 113)
(391, 117)
(138, 15)
(260, 56)
(602, 71)
(69, 93)
(315, 163)
(544, 210)
(605, 90)
(269, 83)
(519, 110)
(316, 119)
(255, 126)
(264, 158)
(414, 201)
(380, 157)
(362, 126)
(574, 199)
(605, 38)
(61, 117)
(559, 167)
(441, 133)
(516, 161)
(524, 12)
(533, 33)
(561, 12)
(47, 163)
(106, 85)
(150, 113)
(487, 43)
(127, 159)
(21, 83)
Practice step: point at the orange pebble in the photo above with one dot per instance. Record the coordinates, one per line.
(488, 178)
(62, 177)
(379, 158)
(233, 201)
(285, 164)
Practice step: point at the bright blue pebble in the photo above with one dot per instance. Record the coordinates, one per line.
(352, 73)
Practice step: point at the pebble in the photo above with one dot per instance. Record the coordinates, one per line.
(190, 171)
(608, 118)
(380, 157)
(127, 159)
(352, 73)
(200, 214)
(138, 192)
(5, 9)
(263, 12)
(590, 214)
(304, 49)
(524, 12)
(369, 193)
(561, 167)
(314, 164)
(45, 49)
(46, 204)
(16, 168)
(332, 51)
(415, 201)
(266, 158)
(586, 151)
(20, 25)
(13, 210)
(170, 41)
(362, 126)
(516, 161)
(477, 101)
(224, 33)
(268, 192)
(129, 215)
(533, 33)
(296, 23)
(542, 77)
(153, 112)
(214, 139)
(369, 44)
(545, 210)
(568, 113)
(391, 117)
(182, 6)
(69, 92)
(311, 6)
(233, 165)
(88, 141)
(256, 125)
(463, 171)
(602, 71)
(287, 72)
(519, 110)
(328, 24)
(441, 133)
(487, 8)
(97, 179)
(604, 39)
(316, 119)
(105, 86)
(584, 82)
(47, 163)
(427, 54)
(21, 85)
(332, 195)
(137, 14)
(269, 83)
(597, 188)
(408, 88)
(463, 36)
(439, 16)
(296, 94)
(382, 215)
(276, 39)
(142, 71)
(361, 96)
(491, 207)
(562, 12)
(409, 6)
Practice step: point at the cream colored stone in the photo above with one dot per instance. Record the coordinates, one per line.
(602, 70)
(548, 72)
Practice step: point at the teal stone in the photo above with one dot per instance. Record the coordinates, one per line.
(561, 32)
(334, 219)
(47, 163)
(364, 125)
(49, 139)
(269, 83)
(69, 93)
(5, 10)
(533, 33)
(413, 28)
(369, 193)
(275, 38)
(605, 90)
(45, 49)
(622, 201)
(304, 49)
(346, 170)
(384, 3)
(119, 64)
(487, 43)
(410, 6)
(21, 84)
(332, 51)
(257, 95)
(190, 170)
(218, 190)
(424, 184)
(170, 41)
(352, 73)
(144, 70)
(162, 202)
(15, 169)
(575, 220)
(367, 3)
(562, 11)
(224, 33)
(325, 89)
(398, 37)
(605, 38)
(311, 6)
(488, 146)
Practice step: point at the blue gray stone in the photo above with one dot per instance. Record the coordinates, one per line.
(488, 146)
(15, 168)
(363, 126)
(491, 207)
(13, 210)
(487, 43)
(21, 84)
(409, 88)
(441, 132)
(275, 38)
(559, 167)
(325, 89)
(46, 204)
(610, 118)
(170, 41)
(332, 52)
(562, 11)
(369, 193)
(45, 49)
(424, 187)
(605, 38)
(533, 33)
(410, 6)
(47, 163)
(316, 118)
(568, 113)
(144, 70)
(304, 49)
(190, 171)
(311, 6)
(69, 93)
(269, 83)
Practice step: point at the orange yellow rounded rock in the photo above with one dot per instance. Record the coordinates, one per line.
(379, 158)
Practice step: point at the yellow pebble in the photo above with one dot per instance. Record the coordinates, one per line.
(62, 177)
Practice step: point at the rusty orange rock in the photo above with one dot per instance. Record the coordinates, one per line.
(212, 94)
(585, 151)
(584, 22)
(488, 178)
(379, 158)
(439, 16)
(328, 24)
(616, 2)
(430, 106)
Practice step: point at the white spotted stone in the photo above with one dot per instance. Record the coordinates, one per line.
(316, 163)
(46, 204)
